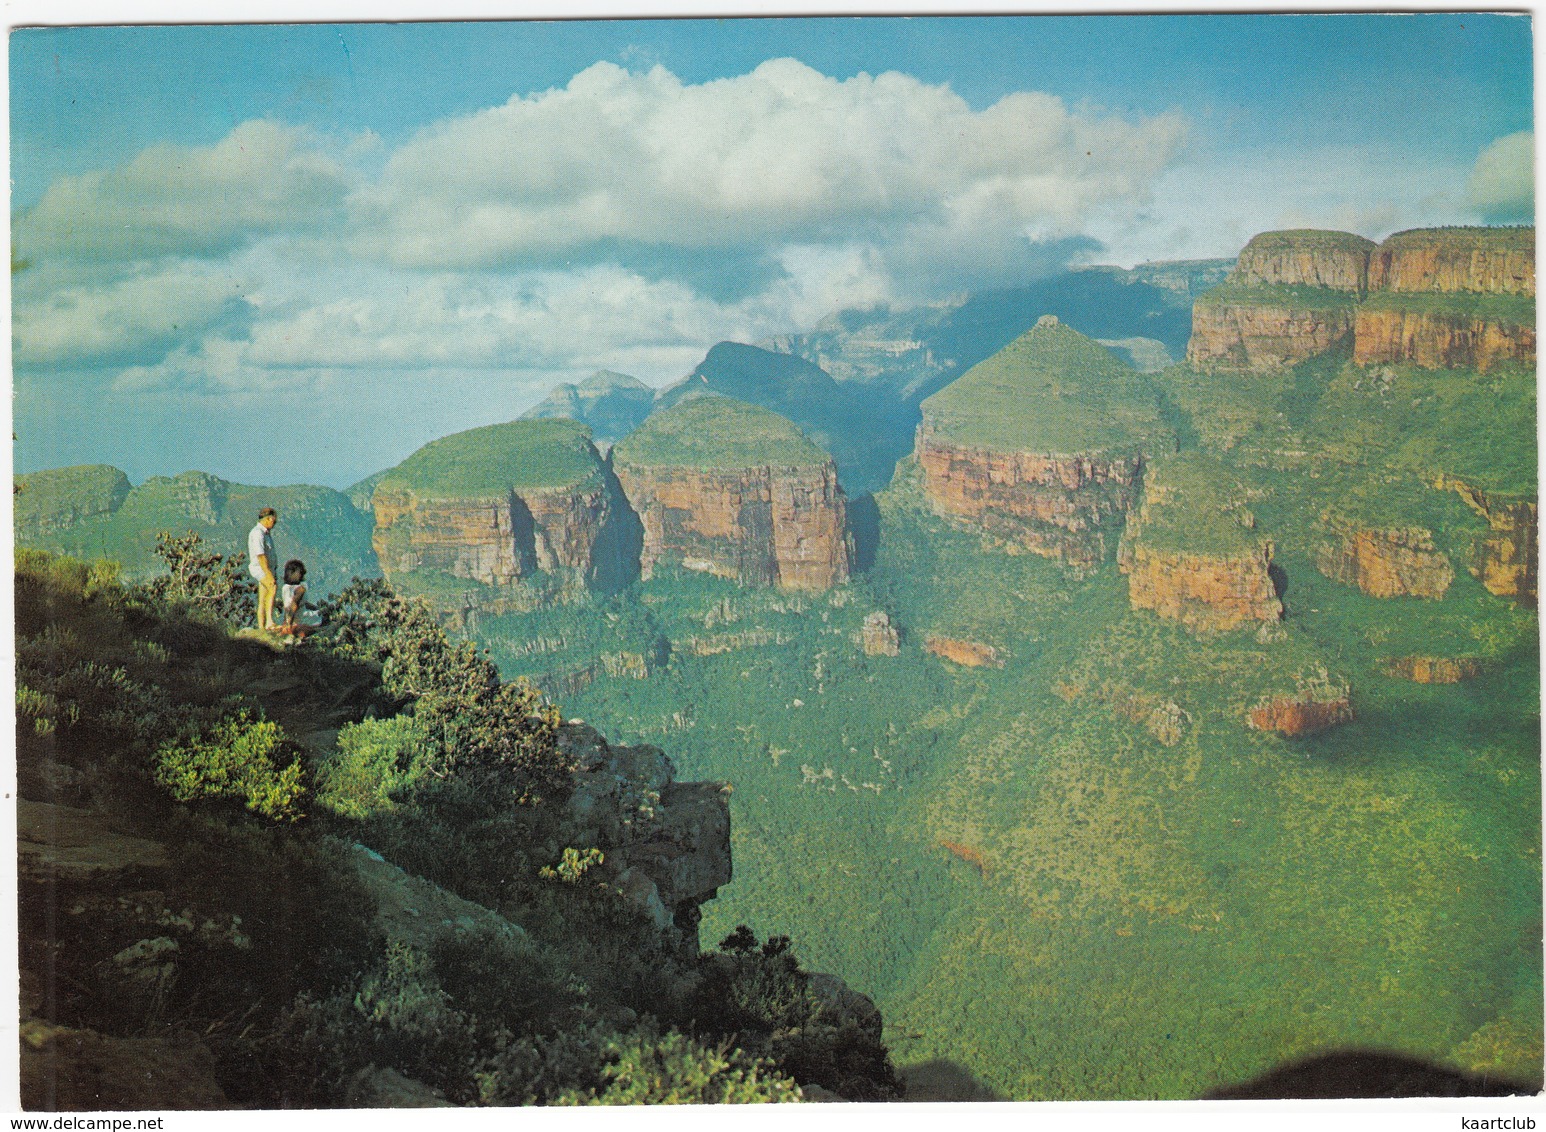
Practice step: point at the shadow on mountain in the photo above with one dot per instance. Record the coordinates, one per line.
(864, 525)
(941, 1080)
(1367, 1074)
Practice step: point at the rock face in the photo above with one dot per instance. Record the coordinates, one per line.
(1438, 340)
(968, 654)
(1493, 261)
(765, 526)
(1303, 713)
(879, 637)
(1437, 298)
(667, 843)
(64, 498)
(1388, 562)
(1208, 592)
(1336, 260)
(525, 512)
(1192, 553)
(1507, 559)
(727, 488)
(1258, 338)
(1071, 508)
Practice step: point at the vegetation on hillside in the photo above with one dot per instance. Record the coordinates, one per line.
(1051, 390)
(1508, 310)
(1280, 296)
(717, 432)
(498, 459)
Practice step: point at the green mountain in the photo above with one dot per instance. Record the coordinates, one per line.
(717, 432)
(1077, 848)
(610, 404)
(496, 459)
(1051, 390)
(91, 512)
(865, 430)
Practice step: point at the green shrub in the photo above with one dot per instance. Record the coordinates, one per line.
(237, 758)
(375, 764)
(645, 1068)
(215, 583)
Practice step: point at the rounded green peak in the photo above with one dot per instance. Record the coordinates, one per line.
(1309, 239)
(717, 432)
(1052, 390)
(495, 459)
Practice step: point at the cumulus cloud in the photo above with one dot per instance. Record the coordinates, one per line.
(136, 317)
(262, 177)
(782, 156)
(1502, 184)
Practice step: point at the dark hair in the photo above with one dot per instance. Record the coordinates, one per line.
(295, 572)
(265, 512)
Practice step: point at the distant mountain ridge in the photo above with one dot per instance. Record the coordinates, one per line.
(611, 404)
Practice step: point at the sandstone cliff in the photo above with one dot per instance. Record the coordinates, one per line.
(1384, 562)
(1507, 558)
(1434, 297)
(500, 518)
(1041, 447)
(1337, 260)
(968, 654)
(729, 489)
(1255, 333)
(1067, 507)
(1483, 260)
(1312, 708)
(1437, 339)
(1192, 552)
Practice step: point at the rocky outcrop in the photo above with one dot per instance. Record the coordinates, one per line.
(1335, 260)
(765, 526)
(878, 637)
(1068, 507)
(1433, 669)
(495, 540)
(1293, 295)
(1255, 337)
(1492, 261)
(1507, 557)
(1385, 562)
(47, 503)
(666, 843)
(968, 654)
(1438, 340)
(1211, 592)
(1306, 711)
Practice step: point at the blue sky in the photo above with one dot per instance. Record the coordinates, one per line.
(361, 237)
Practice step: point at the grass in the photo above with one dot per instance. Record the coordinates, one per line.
(717, 432)
(1051, 390)
(1310, 240)
(1510, 310)
(1192, 503)
(1279, 295)
(1517, 238)
(498, 459)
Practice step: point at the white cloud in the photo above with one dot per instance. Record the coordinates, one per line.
(1502, 185)
(781, 156)
(146, 310)
(187, 200)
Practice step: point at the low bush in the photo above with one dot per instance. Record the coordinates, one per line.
(239, 757)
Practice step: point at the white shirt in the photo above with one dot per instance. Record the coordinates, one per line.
(259, 542)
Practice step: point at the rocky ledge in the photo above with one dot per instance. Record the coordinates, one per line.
(1384, 562)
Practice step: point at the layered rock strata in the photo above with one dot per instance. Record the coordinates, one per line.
(1068, 507)
(1492, 261)
(878, 637)
(1203, 591)
(1335, 260)
(766, 526)
(1433, 669)
(1385, 562)
(1258, 338)
(1437, 340)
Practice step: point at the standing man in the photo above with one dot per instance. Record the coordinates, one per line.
(260, 562)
